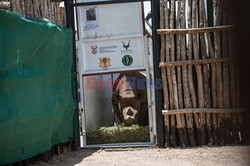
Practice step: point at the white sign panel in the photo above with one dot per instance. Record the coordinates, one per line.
(109, 20)
(113, 55)
(111, 38)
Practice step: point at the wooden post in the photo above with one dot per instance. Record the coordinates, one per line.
(220, 101)
(235, 135)
(186, 92)
(189, 117)
(209, 119)
(190, 57)
(200, 123)
(207, 102)
(226, 92)
(176, 101)
(170, 81)
(179, 77)
(163, 75)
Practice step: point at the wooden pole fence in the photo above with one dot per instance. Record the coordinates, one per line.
(195, 62)
(196, 30)
(204, 110)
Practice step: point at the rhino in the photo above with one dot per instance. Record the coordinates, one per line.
(130, 102)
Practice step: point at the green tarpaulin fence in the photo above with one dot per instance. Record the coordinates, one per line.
(37, 102)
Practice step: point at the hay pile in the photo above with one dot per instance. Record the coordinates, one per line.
(118, 134)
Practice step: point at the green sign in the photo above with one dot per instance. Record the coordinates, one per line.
(127, 60)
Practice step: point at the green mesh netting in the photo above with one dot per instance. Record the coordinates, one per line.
(37, 103)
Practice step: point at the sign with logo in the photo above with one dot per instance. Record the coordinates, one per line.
(116, 54)
(127, 60)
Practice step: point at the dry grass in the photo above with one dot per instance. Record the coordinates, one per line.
(118, 134)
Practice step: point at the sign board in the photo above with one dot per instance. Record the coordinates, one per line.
(109, 20)
(111, 38)
(117, 54)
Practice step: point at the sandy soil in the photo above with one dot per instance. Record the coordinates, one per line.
(152, 156)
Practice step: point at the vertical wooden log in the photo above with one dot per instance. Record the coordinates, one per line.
(36, 9)
(235, 135)
(179, 76)
(12, 5)
(22, 8)
(54, 4)
(49, 10)
(186, 92)
(212, 119)
(220, 101)
(226, 92)
(30, 7)
(176, 101)
(178, 57)
(173, 130)
(204, 54)
(50, 14)
(212, 130)
(167, 131)
(190, 57)
(19, 7)
(54, 11)
(172, 57)
(26, 8)
(220, 87)
(62, 16)
(46, 5)
(42, 5)
(170, 80)
(32, 14)
(189, 117)
(199, 75)
(163, 75)
(163, 47)
(209, 119)
(58, 16)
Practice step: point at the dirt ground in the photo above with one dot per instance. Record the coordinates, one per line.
(153, 156)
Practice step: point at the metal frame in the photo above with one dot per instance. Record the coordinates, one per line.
(69, 5)
(70, 23)
(157, 74)
(120, 145)
(105, 2)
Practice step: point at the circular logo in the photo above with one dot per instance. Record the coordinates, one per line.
(127, 60)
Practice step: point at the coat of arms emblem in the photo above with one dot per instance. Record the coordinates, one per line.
(94, 49)
(104, 62)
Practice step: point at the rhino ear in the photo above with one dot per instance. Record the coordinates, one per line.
(116, 97)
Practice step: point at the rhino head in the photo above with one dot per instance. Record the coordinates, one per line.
(128, 102)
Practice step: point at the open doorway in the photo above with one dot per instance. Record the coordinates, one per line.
(106, 51)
